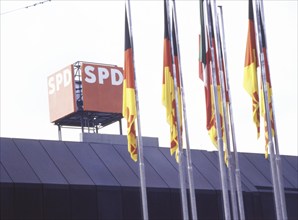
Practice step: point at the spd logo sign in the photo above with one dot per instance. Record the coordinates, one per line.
(102, 87)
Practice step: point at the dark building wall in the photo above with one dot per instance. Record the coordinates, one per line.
(68, 180)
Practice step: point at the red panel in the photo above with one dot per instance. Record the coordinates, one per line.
(102, 87)
(61, 93)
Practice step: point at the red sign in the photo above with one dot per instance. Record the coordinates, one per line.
(102, 87)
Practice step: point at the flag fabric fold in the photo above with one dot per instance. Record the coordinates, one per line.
(213, 131)
(205, 74)
(168, 87)
(179, 114)
(250, 80)
(269, 89)
(129, 110)
(204, 67)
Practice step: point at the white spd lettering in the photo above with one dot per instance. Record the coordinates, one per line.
(117, 77)
(103, 74)
(89, 72)
(61, 79)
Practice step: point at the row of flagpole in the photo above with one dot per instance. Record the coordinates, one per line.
(210, 34)
(175, 106)
(235, 163)
(188, 152)
(275, 160)
(174, 49)
(133, 106)
(218, 105)
(224, 119)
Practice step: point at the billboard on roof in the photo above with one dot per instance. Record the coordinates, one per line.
(84, 86)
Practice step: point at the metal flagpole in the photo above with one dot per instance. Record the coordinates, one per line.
(267, 111)
(237, 168)
(277, 158)
(218, 123)
(139, 136)
(225, 117)
(180, 148)
(59, 133)
(188, 152)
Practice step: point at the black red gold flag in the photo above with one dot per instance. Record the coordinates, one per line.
(250, 80)
(129, 110)
(269, 89)
(168, 87)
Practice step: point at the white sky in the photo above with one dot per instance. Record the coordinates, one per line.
(41, 40)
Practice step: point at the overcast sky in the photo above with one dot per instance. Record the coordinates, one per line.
(40, 40)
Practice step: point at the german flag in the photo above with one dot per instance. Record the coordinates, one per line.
(269, 89)
(212, 126)
(250, 81)
(177, 68)
(168, 88)
(129, 110)
(205, 68)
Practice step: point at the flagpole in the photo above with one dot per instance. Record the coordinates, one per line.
(188, 152)
(237, 168)
(277, 158)
(139, 136)
(180, 148)
(218, 128)
(267, 112)
(230, 164)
